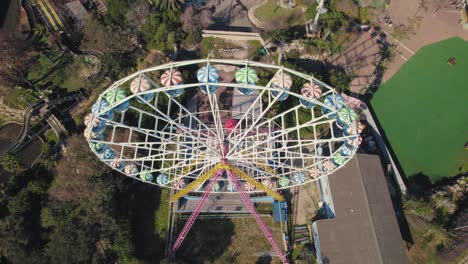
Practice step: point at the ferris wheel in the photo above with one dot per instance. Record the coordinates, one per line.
(224, 126)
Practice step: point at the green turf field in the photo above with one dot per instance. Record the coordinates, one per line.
(423, 110)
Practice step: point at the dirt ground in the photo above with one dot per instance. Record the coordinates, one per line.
(362, 54)
(8, 133)
(304, 203)
(236, 240)
(231, 14)
(436, 24)
(361, 57)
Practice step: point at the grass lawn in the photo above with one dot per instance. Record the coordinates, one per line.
(276, 16)
(423, 109)
(237, 240)
(161, 215)
(426, 238)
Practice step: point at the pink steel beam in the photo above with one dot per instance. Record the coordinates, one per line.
(194, 215)
(263, 227)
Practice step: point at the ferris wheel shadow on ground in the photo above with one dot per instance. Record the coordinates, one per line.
(207, 241)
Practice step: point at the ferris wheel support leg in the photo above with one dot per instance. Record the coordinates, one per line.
(255, 183)
(253, 211)
(195, 184)
(194, 215)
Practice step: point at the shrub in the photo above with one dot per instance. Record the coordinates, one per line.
(442, 215)
(10, 163)
(51, 137)
(420, 206)
(339, 79)
(311, 11)
(402, 32)
(364, 15)
(116, 10)
(20, 98)
(192, 38)
(208, 43)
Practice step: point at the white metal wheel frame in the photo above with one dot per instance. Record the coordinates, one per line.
(180, 145)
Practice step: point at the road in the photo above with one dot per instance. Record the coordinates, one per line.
(27, 117)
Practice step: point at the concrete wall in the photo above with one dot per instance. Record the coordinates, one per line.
(234, 35)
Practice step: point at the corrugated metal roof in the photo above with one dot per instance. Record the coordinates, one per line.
(365, 229)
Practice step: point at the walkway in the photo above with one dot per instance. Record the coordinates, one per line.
(217, 203)
(20, 140)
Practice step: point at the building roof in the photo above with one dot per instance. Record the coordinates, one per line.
(365, 229)
(78, 11)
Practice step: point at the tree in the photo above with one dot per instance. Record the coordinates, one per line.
(116, 10)
(16, 56)
(311, 11)
(10, 163)
(70, 243)
(193, 21)
(160, 29)
(21, 234)
(75, 180)
(167, 4)
(96, 36)
(339, 79)
(137, 13)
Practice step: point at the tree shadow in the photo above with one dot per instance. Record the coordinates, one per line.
(459, 235)
(265, 259)
(139, 202)
(206, 241)
(335, 75)
(419, 184)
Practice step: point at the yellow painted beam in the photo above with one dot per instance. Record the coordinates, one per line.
(255, 183)
(195, 183)
(44, 9)
(54, 13)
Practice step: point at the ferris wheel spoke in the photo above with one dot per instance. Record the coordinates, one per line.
(243, 134)
(175, 172)
(161, 155)
(169, 170)
(153, 134)
(251, 110)
(267, 171)
(250, 169)
(182, 127)
(268, 123)
(288, 146)
(205, 175)
(241, 174)
(256, 105)
(261, 174)
(192, 132)
(216, 118)
(282, 133)
(192, 117)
